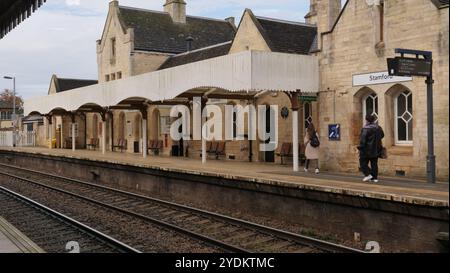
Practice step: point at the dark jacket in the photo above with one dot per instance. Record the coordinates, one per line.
(370, 144)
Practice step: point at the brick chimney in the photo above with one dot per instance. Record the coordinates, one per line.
(177, 10)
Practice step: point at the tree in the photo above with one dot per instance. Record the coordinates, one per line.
(8, 96)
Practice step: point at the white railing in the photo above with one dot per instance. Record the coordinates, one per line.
(6, 139)
(26, 139)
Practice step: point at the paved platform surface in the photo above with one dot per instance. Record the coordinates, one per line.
(14, 241)
(390, 188)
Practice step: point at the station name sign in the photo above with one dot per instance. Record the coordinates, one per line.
(377, 78)
(401, 66)
(307, 98)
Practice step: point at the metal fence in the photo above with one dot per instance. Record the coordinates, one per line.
(21, 139)
(26, 139)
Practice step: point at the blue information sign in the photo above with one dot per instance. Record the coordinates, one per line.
(334, 132)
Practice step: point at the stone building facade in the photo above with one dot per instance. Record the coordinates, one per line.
(357, 39)
(352, 43)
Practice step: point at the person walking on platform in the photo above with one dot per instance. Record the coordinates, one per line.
(312, 144)
(370, 149)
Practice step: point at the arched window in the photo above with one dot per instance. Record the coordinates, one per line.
(95, 126)
(121, 131)
(156, 125)
(137, 126)
(370, 105)
(307, 114)
(404, 118)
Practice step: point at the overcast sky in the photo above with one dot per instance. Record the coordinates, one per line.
(60, 37)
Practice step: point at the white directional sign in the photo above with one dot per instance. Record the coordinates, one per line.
(377, 78)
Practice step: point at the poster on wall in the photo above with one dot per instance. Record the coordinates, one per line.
(334, 132)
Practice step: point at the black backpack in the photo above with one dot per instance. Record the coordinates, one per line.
(314, 141)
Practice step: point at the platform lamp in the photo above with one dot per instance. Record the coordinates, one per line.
(14, 106)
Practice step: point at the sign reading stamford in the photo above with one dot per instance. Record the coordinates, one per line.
(377, 78)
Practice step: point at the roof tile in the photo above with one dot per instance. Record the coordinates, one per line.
(155, 31)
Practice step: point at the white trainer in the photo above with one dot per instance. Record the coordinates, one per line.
(374, 180)
(317, 171)
(306, 170)
(367, 178)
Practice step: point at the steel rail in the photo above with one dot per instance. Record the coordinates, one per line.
(206, 239)
(301, 239)
(120, 246)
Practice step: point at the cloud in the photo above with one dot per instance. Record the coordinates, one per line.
(73, 2)
(60, 37)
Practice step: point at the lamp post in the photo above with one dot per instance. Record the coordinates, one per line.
(14, 106)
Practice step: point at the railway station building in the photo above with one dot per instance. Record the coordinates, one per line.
(330, 70)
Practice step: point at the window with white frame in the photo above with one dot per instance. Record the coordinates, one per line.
(404, 118)
(370, 106)
(307, 114)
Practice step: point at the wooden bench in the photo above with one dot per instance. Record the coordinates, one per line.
(156, 146)
(122, 145)
(287, 151)
(93, 143)
(216, 148)
(220, 149)
(211, 148)
(68, 143)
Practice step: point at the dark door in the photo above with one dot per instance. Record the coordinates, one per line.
(269, 156)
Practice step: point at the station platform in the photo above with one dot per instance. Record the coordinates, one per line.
(403, 190)
(14, 241)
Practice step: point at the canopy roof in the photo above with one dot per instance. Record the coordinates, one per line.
(13, 12)
(248, 71)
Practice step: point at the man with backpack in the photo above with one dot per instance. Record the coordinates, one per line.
(312, 143)
(370, 149)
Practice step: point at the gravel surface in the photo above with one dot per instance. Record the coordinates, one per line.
(134, 232)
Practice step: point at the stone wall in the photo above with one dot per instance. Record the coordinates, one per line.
(352, 49)
(126, 62)
(248, 37)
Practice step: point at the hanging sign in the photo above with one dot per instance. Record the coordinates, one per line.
(307, 98)
(401, 66)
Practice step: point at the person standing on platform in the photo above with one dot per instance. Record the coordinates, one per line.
(370, 149)
(312, 144)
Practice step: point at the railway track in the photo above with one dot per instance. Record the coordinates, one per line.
(52, 230)
(228, 233)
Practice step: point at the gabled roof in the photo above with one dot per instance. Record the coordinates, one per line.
(155, 31)
(288, 37)
(285, 36)
(197, 55)
(69, 84)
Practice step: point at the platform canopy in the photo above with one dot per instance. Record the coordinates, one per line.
(238, 73)
(13, 12)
